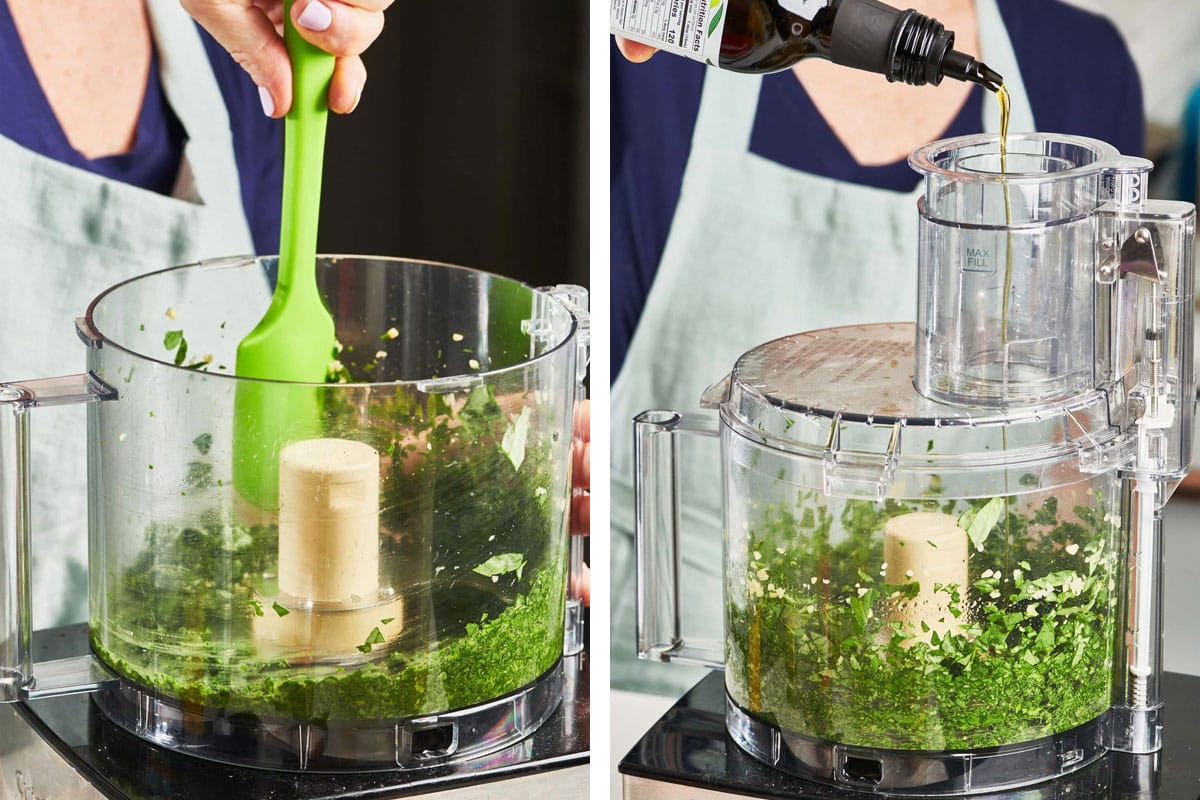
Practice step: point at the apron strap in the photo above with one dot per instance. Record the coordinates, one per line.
(194, 95)
(996, 49)
(728, 105)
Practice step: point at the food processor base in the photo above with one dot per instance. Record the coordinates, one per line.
(66, 747)
(333, 745)
(899, 772)
(689, 755)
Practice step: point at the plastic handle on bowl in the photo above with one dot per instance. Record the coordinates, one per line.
(656, 467)
(20, 677)
(575, 300)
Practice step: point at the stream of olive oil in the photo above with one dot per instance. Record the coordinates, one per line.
(1003, 98)
(1005, 104)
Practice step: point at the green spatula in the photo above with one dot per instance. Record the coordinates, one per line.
(294, 340)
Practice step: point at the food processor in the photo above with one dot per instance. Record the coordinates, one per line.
(373, 593)
(943, 541)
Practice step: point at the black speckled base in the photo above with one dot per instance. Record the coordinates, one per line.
(689, 746)
(123, 767)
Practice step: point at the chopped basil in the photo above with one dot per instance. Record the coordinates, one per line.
(978, 521)
(467, 539)
(502, 564)
(373, 638)
(816, 647)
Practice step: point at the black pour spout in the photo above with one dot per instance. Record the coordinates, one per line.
(905, 46)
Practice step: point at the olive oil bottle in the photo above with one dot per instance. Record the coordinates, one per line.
(770, 35)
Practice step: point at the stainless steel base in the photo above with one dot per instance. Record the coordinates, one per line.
(31, 768)
(634, 787)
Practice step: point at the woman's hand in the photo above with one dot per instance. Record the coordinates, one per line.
(581, 470)
(252, 32)
(634, 51)
(581, 485)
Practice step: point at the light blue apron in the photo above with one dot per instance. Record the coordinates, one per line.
(756, 251)
(66, 235)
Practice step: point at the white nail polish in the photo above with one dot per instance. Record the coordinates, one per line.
(357, 100)
(315, 17)
(268, 103)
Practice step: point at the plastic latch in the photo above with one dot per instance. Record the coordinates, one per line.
(574, 297)
(88, 334)
(541, 331)
(716, 394)
(1106, 456)
(450, 384)
(855, 473)
(64, 390)
(1099, 451)
(229, 262)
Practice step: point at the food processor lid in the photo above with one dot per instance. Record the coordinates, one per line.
(850, 389)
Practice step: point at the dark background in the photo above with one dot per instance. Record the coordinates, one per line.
(470, 145)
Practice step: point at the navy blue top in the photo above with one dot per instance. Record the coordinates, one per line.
(153, 162)
(1077, 72)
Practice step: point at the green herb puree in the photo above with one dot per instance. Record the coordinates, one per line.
(490, 660)
(472, 537)
(813, 648)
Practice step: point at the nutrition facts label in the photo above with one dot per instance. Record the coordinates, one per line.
(689, 28)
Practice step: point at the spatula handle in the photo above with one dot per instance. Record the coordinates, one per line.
(303, 153)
